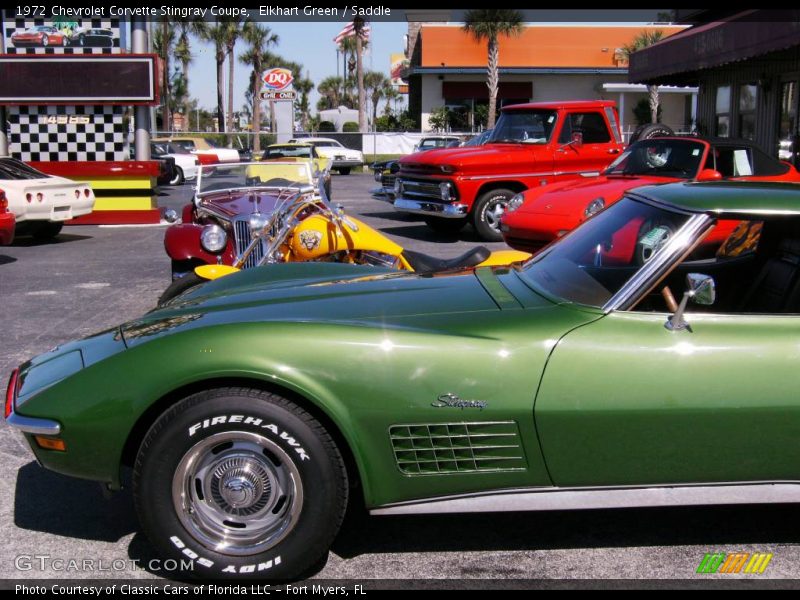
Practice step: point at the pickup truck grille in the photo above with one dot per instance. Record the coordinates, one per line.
(453, 448)
(419, 188)
(242, 238)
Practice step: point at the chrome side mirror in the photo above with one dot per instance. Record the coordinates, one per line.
(701, 290)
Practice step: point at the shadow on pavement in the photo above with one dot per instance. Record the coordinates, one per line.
(52, 503)
(393, 215)
(64, 238)
(424, 234)
(710, 526)
(5, 260)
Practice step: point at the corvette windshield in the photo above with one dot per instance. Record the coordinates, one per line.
(592, 263)
(524, 127)
(660, 158)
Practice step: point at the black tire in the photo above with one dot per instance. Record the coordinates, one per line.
(446, 226)
(47, 231)
(651, 130)
(178, 179)
(344, 171)
(222, 470)
(487, 211)
(45, 40)
(180, 285)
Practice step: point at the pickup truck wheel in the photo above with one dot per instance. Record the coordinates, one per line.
(178, 179)
(180, 285)
(47, 231)
(446, 226)
(344, 171)
(241, 483)
(487, 212)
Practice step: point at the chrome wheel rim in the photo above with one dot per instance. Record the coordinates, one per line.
(494, 211)
(237, 493)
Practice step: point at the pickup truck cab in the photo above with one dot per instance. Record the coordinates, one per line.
(531, 145)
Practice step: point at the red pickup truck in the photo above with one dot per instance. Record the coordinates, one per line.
(531, 145)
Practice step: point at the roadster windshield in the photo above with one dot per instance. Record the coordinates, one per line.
(524, 127)
(216, 178)
(661, 158)
(592, 263)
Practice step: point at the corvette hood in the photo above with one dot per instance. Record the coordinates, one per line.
(309, 292)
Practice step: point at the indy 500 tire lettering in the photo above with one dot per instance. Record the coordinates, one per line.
(242, 482)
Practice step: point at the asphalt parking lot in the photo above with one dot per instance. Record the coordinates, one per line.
(92, 278)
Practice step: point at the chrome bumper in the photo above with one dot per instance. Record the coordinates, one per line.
(33, 426)
(432, 208)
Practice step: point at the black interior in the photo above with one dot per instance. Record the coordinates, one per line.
(423, 263)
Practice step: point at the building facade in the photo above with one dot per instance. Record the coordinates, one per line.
(547, 62)
(746, 65)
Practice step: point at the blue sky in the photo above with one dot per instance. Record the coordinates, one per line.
(308, 43)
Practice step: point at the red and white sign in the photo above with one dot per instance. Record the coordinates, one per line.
(278, 79)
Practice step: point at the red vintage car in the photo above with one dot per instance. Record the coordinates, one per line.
(532, 145)
(7, 221)
(538, 216)
(40, 35)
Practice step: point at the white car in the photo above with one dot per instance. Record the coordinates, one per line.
(203, 147)
(186, 163)
(344, 159)
(41, 203)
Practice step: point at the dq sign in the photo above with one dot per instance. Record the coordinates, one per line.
(277, 79)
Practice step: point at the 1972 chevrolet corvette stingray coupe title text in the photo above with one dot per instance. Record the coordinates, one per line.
(249, 407)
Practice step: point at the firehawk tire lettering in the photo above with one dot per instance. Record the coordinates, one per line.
(255, 422)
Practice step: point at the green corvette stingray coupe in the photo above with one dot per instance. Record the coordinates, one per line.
(632, 363)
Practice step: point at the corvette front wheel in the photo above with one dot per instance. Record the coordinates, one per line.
(240, 483)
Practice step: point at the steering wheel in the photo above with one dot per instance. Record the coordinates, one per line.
(651, 238)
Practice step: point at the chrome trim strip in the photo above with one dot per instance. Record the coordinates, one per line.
(33, 426)
(655, 268)
(542, 174)
(550, 498)
(437, 209)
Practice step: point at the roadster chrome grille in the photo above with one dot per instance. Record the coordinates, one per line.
(449, 448)
(242, 238)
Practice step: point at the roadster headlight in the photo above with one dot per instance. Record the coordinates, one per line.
(515, 203)
(257, 222)
(213, 239)
(595, 206)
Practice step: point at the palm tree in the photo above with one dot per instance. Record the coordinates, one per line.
(362, 95)
(375, 85)
(234, 30)
(330, 89)
(259, 39)
(391, 94)
(218, 35)
(183, 50)
(490, 24)
(644, 40)
(163, 41)
(304, 86)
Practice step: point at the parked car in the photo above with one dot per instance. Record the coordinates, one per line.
(301, 152)
(536, 217)
(92, 37)
(40, 202)
(167, 170)
(7, 221)
(250, 407)
(385, 173)
(532, 145)
(206, 150)
(216, 227)
(432, 142)
(186, 163)
(344, 159)
(40, 35)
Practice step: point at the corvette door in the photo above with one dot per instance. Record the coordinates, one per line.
(624, 401)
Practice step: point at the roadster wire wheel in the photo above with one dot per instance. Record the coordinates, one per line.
(237, 493)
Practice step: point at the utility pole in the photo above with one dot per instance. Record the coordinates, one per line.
(140, 44)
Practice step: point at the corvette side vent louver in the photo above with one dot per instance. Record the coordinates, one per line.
(450, 448)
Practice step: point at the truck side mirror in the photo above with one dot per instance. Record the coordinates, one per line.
(577, 139)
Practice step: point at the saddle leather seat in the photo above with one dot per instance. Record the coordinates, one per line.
(423, 263)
